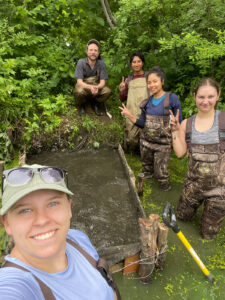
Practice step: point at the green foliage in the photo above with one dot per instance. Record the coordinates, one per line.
(185, 38)
(32, 69)
(178, 168)
(3, 241)
(5, 147)
(89, 123)
(101, 133)
(40, 41)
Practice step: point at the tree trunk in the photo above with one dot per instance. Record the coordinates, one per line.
(106, 14)
(110, 12)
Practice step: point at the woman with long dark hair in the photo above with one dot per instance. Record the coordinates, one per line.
(134, 90)
(155, 140)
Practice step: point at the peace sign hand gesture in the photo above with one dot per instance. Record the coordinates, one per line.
(174, 121)
(124, 111)
(122, 84)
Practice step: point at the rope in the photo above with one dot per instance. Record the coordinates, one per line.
(155, 257)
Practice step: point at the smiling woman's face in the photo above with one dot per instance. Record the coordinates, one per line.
(39, 223)
(206, 98)
(155, 84)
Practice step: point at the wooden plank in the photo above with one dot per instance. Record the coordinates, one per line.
(129, 264)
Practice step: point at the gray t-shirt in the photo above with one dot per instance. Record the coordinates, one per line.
(208, 137)
(83, 69)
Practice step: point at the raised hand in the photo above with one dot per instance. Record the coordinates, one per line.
(124, 111)
(174, 121)
(122, 84)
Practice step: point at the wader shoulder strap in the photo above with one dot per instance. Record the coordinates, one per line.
(143, 103)
(84, 67)
(188, 131)
(91, 260)
(101, 265)
(222, 130)
(146, 74)
(166, 103)
(98, 70)
(46, 291)
(129, 78)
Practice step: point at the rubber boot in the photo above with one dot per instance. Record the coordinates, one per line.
(95, 108)
(82, 110)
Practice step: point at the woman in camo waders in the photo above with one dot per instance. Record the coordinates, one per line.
(134, 90)
(155, 139)
(203, 137)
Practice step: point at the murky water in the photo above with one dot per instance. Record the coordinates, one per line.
(103, 205)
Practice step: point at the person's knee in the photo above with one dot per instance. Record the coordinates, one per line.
(161, 169)
(185, 211)
(107, 91)
(103, 94)
(214, 210)
(80, 95)
(78, 90)
(212, 217)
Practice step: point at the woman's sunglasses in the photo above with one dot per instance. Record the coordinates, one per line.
(21, 176)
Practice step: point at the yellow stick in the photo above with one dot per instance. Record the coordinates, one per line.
(194, 255)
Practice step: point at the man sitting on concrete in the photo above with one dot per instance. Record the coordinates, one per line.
(91, 77)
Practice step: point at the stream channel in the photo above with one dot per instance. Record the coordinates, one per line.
(106, 215)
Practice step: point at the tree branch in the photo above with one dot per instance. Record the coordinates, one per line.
(110, 12)
(106, 14)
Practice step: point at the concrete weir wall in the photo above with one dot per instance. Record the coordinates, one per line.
(105, 203)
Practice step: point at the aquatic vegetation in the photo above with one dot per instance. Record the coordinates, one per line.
(169, 289)
(134, 162)
(217, 261)
(178, 168)
(181, 278)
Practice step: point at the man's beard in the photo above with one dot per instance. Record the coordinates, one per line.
(93, 57)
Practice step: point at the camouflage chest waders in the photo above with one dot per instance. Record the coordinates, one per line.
(155, 146)
(137, 92)
(205, 183)
(82, 95)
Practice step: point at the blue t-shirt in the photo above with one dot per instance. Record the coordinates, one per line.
(79, 281)
(156, 101)
(157, 110)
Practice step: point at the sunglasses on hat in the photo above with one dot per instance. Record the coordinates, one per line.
(21, 176)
